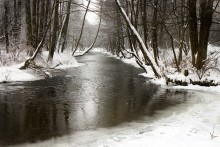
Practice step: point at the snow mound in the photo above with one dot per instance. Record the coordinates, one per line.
(13, 73)
(9, 73)
(60, 60)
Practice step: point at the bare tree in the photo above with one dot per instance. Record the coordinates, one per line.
(157, 71)
(6, 24)
(65, 27)
(54, 31)
(93, 43)
(28, 24)
(193, 29)
(206, 22)
(82, 28)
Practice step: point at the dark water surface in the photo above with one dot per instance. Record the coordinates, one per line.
(104, 93)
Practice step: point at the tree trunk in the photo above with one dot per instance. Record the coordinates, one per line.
(65, 29)
(60, 34)
(16, 29)
(47, 12)
(206, 22)
(28, 24)
(6, 5)
(182, 31)
(154, 32)
(81, 32)
(34, 23)
(171, 41)
(41, 21)
(157, 71)
(54, 32)
(130, 37)
(161, 35)
(92, 45)
(144, 21)
(193, 29)
(39, 46)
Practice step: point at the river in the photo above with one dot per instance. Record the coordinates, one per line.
(103, 93)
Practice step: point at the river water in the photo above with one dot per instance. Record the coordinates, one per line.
(103, 93)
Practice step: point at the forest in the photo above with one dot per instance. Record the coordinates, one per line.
(170, 36)
(110, 73)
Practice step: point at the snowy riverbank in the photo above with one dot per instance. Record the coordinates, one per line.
(10, 72)
(213, 75)
(194, 123)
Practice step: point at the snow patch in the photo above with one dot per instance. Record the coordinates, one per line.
(13, 73)
(61, 60)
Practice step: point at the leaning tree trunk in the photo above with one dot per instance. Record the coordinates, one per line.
(157, 71)
(28, 62)
(39, 47)
(32, 58)
(81, 32)
(60, 34)
(92, 45)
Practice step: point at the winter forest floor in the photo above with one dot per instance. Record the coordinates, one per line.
(196, 123)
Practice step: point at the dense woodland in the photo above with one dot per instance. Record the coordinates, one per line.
(142, 28)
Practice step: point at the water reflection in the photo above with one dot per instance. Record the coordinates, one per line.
(104, 93)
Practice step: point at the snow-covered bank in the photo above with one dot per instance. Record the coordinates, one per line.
(195, 123)
(11, 72)
(61, 60)
(190, 124)
(211, 75)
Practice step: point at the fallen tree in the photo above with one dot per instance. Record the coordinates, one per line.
(158, 71)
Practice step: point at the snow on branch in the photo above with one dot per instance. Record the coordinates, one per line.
(157, 71)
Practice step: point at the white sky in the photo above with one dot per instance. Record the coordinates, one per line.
(91, 17)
